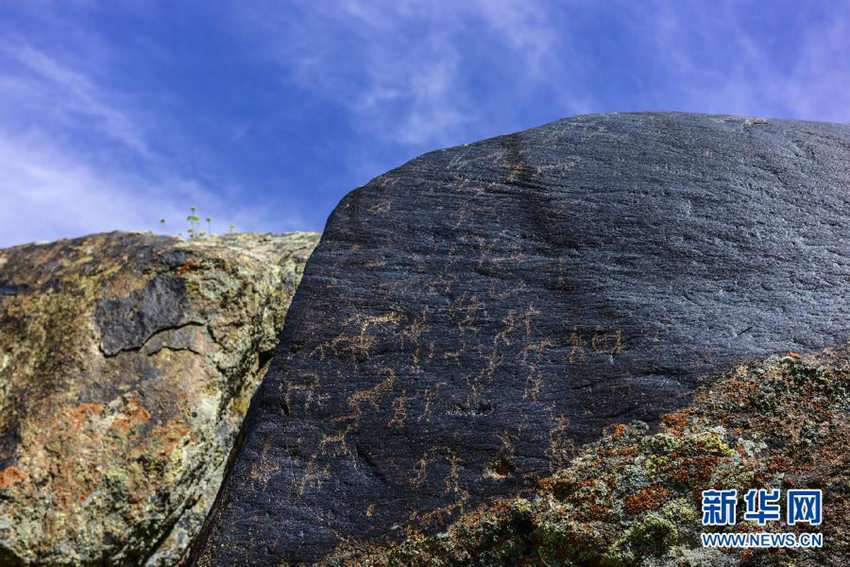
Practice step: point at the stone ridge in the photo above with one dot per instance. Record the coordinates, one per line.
(127, 362)
(472, 316)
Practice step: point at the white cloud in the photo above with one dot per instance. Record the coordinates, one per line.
(818, 86)
(524, 26)
(723, 64)
(54, 184)
(79, 154)
(48, 194)
(75, 159)
(70, 92)
(401, 69)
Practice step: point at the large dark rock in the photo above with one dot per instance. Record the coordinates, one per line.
(471, 316)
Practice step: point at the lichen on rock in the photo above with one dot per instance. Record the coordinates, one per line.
(633, 497)
(127, 362)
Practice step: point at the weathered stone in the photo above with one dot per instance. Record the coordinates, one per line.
(634, 497)
(470, 316)
(126, 364)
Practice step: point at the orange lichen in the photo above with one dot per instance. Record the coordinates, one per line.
(635, 494)
(189, 265)
(130, 417)
(650, 498)
(11, 476)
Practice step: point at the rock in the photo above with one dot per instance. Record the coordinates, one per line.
(473, 316)
(633, 498)
(127, 362)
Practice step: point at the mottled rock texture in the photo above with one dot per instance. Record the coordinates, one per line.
(634, 497)
(127, 362)
(472, 316)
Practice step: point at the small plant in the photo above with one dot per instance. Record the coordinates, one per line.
(194, 232)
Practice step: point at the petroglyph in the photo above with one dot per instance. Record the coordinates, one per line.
(440, 459)
(381, 207)
(337, 442)
(606, 342)
(314, 477)
(432, 394)
(578, 352)
(361, 340)
(540, 286)
(412, 334)
(516, 320)
(534, 382)
(399, 411)
(600, 341)
(373, 395)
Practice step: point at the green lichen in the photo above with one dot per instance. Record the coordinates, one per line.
(117, 457)
(633, 497)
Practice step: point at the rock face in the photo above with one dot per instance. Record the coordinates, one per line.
(633, 497)
(471, 317)
(126, 365)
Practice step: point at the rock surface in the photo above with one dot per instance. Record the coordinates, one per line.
(127, 362)
(634, 497)
(472, 316)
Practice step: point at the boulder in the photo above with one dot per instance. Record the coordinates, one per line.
(127, 362)
(634, 497)
(472, 317)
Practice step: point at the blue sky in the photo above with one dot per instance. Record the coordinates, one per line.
(264, 114)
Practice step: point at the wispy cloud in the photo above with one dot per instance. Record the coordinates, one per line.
(49, 194)
(730, 57)
(76, 158)
(406, 71)
(415, 71)
(264, 114)
(70, 92)
(817, 87)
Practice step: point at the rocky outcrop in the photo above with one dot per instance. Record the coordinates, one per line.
(471, 317)
(633, 498)
(127, 362)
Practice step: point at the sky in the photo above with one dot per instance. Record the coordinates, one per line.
(114, 115)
